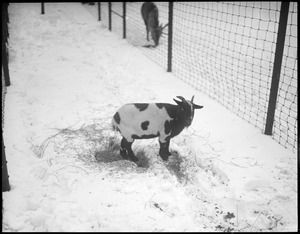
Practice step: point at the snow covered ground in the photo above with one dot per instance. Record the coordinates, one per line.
(69, 75)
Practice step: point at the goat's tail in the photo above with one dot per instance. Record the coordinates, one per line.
(114, 126)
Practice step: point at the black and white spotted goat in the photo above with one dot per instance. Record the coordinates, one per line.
(149, 120)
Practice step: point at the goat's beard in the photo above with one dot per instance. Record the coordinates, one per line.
(187, 123)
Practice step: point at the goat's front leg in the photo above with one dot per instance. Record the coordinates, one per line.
(126, 151)
(147, 32)
(164, 149)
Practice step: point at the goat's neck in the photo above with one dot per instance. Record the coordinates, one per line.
(179, 122)
(152, 22)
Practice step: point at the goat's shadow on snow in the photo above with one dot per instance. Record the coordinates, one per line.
(112, 154)
(143, 159)
(109, 154)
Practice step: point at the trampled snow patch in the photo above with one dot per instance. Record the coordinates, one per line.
(69, 76)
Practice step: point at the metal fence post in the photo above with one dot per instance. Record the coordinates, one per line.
(170, 37)
(109, 16)
(124, 19)
(99, 11)
(5, 35)
(5, 181)
(6, 6)
(43, 8)
(5, 20)
(5, 64)
(284, 11)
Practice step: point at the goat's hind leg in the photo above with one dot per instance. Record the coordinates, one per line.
(164, 150)
(123, 149)
(126, 151)
(147, 31)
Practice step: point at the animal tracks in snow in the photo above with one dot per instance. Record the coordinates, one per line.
(244, 162)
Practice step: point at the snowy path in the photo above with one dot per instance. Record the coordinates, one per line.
(69, 75)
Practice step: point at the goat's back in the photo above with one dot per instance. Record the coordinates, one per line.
(150, 13)
(142, 119)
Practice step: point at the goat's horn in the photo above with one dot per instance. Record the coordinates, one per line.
(165, 25)
(192, 99)
(181, 98)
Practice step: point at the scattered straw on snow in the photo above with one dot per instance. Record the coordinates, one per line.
(97, 145)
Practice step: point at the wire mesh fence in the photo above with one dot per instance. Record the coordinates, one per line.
(286, 116)
(227, 50)
(230, 57)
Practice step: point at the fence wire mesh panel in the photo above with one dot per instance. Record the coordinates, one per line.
(226, 50)
(116, 18)
(286, 117)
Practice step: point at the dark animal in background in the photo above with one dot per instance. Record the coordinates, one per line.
(150, 16)
(90, 3)
(149, 120)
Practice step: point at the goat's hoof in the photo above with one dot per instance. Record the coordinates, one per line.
(123, 153)
(133, 158)
(165, 157)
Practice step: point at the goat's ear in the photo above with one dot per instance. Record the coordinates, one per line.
(178, 102)
(195, 106)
